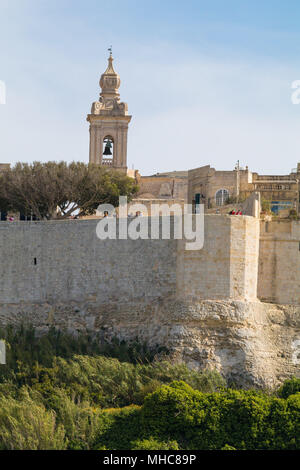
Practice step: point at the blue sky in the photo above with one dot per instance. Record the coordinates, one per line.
(207, 82)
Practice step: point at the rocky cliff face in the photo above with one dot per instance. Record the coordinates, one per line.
(252, 343)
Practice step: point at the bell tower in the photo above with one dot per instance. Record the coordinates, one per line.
(109, 121)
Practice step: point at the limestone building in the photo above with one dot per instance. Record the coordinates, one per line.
(214, 188)
(4, 166)
(168, 185)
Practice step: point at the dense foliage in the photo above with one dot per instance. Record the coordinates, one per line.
(61, 392)
(238, 418)
(290, 387)
(41, 188)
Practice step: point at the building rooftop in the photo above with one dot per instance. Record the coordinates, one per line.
(172, 174)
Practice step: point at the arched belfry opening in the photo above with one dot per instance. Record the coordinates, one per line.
(109, 121)
(108, 151)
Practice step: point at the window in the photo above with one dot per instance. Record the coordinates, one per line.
(197, 202)
(222, 197)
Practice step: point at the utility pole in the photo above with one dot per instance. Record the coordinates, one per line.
(237, 180)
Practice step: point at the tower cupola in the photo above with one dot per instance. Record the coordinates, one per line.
(110, 82)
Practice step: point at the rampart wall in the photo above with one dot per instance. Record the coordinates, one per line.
(63, 261)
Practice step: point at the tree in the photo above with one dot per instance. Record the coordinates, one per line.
(42, 188)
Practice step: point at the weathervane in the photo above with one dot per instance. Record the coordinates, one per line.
(110, 50)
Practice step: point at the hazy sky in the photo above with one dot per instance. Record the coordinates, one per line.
(206, 82)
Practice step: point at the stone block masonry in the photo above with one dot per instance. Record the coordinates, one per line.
(226, 267)
(64, 261)
(279, 262)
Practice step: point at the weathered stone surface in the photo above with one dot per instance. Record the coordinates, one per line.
(249, 342)
(279, 262)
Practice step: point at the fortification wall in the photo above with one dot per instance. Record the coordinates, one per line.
(279, 262)
(64, 261)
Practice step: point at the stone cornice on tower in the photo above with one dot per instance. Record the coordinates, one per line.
(107, 117)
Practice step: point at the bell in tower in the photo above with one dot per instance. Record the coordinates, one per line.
(107, 148)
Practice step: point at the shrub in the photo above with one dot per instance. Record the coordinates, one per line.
(152, 444)
(108, 382)
(293, 407)
(290, 387)
(27, 425)
(80, 420)
(239, 419)
(119, 428)
(266, 206)
(52, 402)
(293, 214)
(26, 346)
(172, 412)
